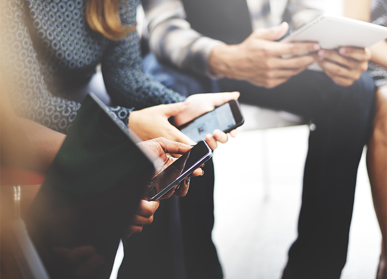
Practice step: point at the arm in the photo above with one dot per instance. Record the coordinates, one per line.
(125, 80)
(25, 84)
(172, 39)
(357, 9)
(24, 143)
(257, 60)
(378, 67)
(299, 12)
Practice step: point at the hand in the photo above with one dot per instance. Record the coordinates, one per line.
(151, 123)
(202, 103)
(258, 59)
(143, 216)
(161, 148)
(344, 66)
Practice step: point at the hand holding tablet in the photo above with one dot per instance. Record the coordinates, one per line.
(344, 55)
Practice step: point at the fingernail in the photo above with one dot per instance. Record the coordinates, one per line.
(188, 180)
(316, 46)
(321, 54)
(202, 173)
(342, 50)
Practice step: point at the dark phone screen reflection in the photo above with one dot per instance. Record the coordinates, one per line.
(185, 164)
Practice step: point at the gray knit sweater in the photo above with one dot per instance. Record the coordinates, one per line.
(48, 49)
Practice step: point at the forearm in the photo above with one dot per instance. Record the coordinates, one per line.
(222, 61)
(379, 53)
(172, 39)
(44, 142)
(358, 9)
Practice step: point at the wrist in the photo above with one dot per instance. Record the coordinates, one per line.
(221, 60)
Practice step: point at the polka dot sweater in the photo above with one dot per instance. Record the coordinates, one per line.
(49, 51)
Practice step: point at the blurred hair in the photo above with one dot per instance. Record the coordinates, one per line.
(103, 16)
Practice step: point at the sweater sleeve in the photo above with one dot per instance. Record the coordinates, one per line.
(172, 39)
(378, 16)
(25, 86)
(125, 80)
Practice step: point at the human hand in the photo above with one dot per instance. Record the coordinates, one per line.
(162, 148)
(258, 59)
(202, 103)
(151, 123)
(344, 66)
(143, 216)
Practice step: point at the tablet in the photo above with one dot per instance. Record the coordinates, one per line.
(333, 31)
(89, 195)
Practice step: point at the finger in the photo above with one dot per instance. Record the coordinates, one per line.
(173, 147)
(273, 33)
(197, 172)
(173, 109)
(212, 143)
(233, 133)
(291, 63)
(359, 54)
(180, 137)
(335, 69)
(281, 49)
(335, 57)
(147, 208)
(168, 194)
(141, 220)
(222, 98)
(134, 229)
(220, 136)
(340, 80)
(182, 191)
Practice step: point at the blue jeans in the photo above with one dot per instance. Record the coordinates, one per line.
(343, 117)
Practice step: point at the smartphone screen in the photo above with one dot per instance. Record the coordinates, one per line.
(178, 170)
(220, 118)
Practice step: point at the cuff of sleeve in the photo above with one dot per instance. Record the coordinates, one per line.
(378, 73)
(122, 114)
(201, 50)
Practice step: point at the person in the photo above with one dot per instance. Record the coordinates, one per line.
(236, 44)
(377, 147)
(59, 47)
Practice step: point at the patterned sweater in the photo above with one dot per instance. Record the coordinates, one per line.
(379, 16)
(48, 49)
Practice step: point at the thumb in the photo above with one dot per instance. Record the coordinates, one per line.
(273, 33)
(180, 137)
(174, 109)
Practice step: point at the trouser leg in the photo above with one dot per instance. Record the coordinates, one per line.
(342, 117)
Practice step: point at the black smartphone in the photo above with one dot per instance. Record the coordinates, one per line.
(226, 117)
(178, 170)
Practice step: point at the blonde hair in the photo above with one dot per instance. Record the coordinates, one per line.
(103, 16)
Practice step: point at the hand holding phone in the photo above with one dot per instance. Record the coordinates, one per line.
(166, 181)
(226, 118)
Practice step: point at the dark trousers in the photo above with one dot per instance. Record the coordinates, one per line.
(343, 117)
